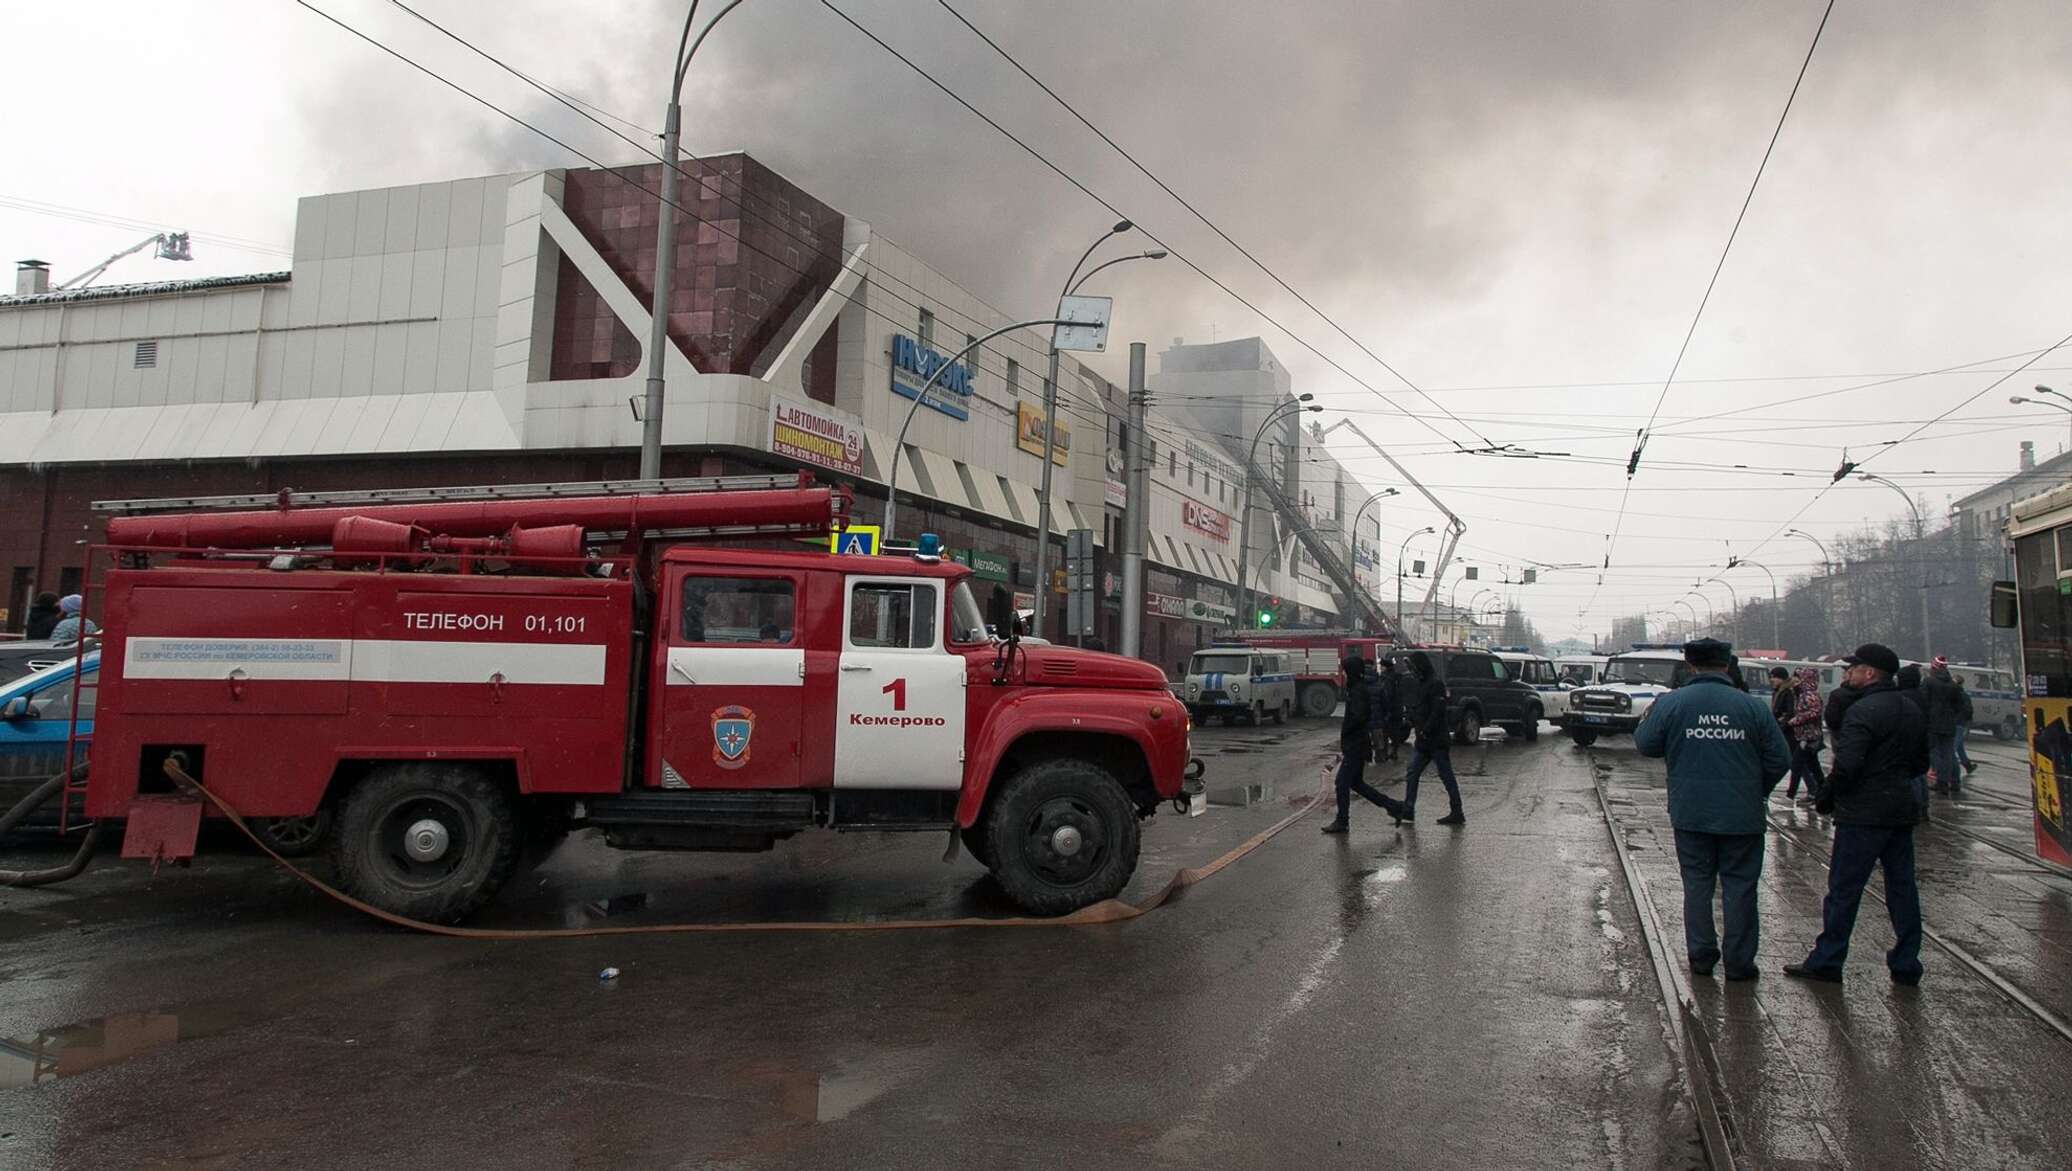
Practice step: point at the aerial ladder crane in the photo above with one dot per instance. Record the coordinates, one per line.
(1454, 525)
(169, 245)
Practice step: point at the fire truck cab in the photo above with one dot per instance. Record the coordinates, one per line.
(455, 702)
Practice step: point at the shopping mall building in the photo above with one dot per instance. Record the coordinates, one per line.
(491, 330)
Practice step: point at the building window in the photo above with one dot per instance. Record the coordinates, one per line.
(147, 355)
(1014, 378)
(927, 331)
(1173, 464)
(971, 355)
(1190, 473)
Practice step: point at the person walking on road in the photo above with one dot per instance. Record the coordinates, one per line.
(1387, 691)
(1725, 754)
(1882, 746)
(1354, 746)
(1943, 700)
(1425, 705)
(1964, 714)
(42, 616)
(1802, 728)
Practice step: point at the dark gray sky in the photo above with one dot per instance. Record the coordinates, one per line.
(1516, 195)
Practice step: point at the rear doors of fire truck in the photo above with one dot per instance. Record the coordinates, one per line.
(899, 695)
(734, 685)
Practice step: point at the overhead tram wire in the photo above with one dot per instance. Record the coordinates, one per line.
(632, 183)
(1640, 439)
(1843, 472)
(602, 167)
(1261, 265)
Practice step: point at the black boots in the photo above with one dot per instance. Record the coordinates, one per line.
(1454, 818)
(1337, 827)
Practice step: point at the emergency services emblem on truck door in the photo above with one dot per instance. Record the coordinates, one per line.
(732, 727)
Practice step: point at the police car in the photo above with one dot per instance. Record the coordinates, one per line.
(1239, 683)
(1632, 682)
(1539, 673)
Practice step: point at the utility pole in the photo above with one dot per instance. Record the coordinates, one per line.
(1136, 503)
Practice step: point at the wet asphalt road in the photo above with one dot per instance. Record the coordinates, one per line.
(1416, 997)
(1954, 1073)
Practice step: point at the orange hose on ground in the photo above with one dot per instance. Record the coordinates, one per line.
(1106, 911)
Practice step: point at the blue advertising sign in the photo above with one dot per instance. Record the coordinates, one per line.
(913, 364)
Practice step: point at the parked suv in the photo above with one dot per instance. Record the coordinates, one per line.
(1239, 683)
(1480, 690)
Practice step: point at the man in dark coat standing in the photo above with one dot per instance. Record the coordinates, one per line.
(1354, 746)
(1426, 706)
(1386, 690)
(1725, 753)
(1881, 747)
(1944, 702)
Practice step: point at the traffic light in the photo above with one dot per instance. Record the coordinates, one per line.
(1270, 613)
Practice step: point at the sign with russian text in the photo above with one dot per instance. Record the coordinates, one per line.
(913, 364)
(1203, 519)
(816, 435)
(1028, 434)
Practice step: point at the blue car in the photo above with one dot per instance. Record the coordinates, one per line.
(35, 711)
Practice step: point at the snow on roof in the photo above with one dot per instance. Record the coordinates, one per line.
(144, 289)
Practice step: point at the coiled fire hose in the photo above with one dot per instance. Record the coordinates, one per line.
(1107, 911)
(29, 804)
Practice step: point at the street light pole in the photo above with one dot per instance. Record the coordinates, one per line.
(665, 244)
(899, 444)
(1776, 638)
(1827, 593)
(2041, 389)
(1685, 603)
(1921, 550)
(1244, 524)
(1400, 551)
(1050, 430)
(1353, 538)
(1711, 619)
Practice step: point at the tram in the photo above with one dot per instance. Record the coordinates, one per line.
(2038, 604)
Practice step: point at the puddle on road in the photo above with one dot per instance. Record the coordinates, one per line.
(71, 1050)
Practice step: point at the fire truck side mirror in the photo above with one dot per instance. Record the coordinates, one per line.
(2003, 608)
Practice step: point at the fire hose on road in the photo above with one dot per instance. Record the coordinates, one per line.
(30, 804)
(1108, 911)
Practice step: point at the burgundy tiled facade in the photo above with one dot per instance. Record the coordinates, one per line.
(753, 254)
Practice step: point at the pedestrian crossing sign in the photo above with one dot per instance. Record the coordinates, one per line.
(855, 539)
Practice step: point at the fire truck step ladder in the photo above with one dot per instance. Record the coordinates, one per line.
(287, 498)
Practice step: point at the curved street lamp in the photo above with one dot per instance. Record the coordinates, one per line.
(1284, 410)
(1776, 624)
(2065, 406)
(1686, 604)
(899, 444)
(665, 242)
(1050, 417)
(1920, 533)
(1400, 551)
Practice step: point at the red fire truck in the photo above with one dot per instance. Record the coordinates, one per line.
(1315, 656)
(456, 681)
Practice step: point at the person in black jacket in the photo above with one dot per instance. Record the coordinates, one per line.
(43, 615)
(1387, 693)
(1944, 701)
(1354, 746)
(1882, 746)
(1909, 683)
(1429, 727)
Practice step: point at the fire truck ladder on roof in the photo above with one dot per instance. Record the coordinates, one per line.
(1327, 558)
(288, 498)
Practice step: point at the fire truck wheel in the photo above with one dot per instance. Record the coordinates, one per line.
(1064, 836)
(295, 837)
(426, 841)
